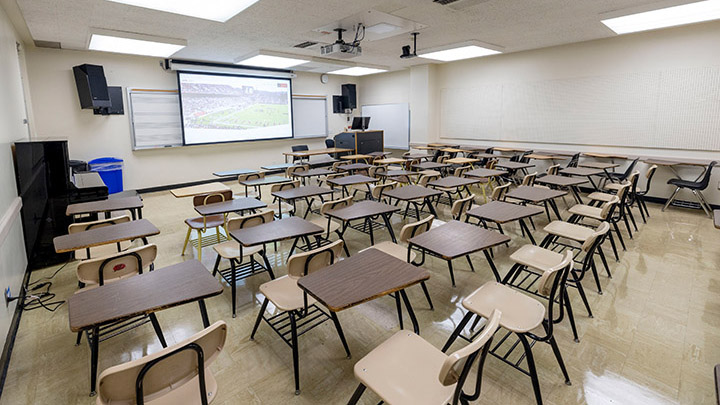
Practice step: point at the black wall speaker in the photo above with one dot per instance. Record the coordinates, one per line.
(338, 105)
(92, 86)
(349, 94)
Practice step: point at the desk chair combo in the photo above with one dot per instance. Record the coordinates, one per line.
(247, 177)
(203, 223)
(99, 251)
(695, 187)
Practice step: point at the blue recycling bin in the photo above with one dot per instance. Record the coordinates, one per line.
(110, 171)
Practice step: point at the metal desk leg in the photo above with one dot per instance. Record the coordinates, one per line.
(492, 265)
(416, 327)
(555, 209)
(94, 352)
(203, 313)
(524, 226)
(386, 218)
(428, 201)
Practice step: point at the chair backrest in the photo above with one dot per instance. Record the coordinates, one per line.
(549, 279)
(461, 206)
(553, 170)
(330, 143)
(491, 164)
(416, 228)
(608, 206)
(86, 226)
(212, 198)
(649, 175)
(529, 179)
(601, 230)
(574, 160)
(552, 284)
(295, 169)
(336, 165)
(456, 367)
(159, 374)
(376, 170)
(629, 169)
(426, 178)
(499, 192)
(116, 266)
(249, 220)
(460, 171)
(706, 178)
(378, 190)
(251, 176)
(336, 204)
(623, 191)
(524, 158)
(443, 158)
(285, 186)
(299, 148)
(302, 264)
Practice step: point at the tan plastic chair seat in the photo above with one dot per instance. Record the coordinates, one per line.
(285, 207)
(613, 186)
(536, 257)
(323, 223)
(404, 370)
(231, 250)
(285, 294)
(587, 211)
(211, 221)
(570, 231)
(393, 249)
(598, 196)
(520, 313)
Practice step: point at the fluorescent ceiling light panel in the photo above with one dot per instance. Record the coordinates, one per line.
(463, 52)
(382, 28)
(357, 71)
(268, 61)
(666, 17)
(215, 10)
(134, 46)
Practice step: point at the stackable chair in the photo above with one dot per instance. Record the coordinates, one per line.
(255, 193)
(282, 205)
(603, 213)
(104, 250)
(624, 192)
(235, 253)
(178, 375)
(522, 315)
(487, 183)
(327, 224)
(640, 194)
(376, 195)
(203, 223)
(405, 253)
(290, 171)
(299, 148)
(696, 187)
(406, 369)
(573, 162)
(294, 306)
(529, 179)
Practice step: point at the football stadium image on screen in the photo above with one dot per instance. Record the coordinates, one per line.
(225, 108)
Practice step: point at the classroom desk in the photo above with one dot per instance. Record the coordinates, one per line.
(509, 150)
(364, 210)
(258, 183)
(307, 153)
(379, 154)
(585, 172)
(277, 167)
(354, 167)
(537, 195)
(312, 173)
(355, 179)
(483, 155)
(457, 239)
(512, 166)
(411, 194)
(672, 164)
(192, 191)
(143, 294)
(134, 204)
(389, 161)
(399, 174)
(483, 173)
(462, 161)
(571, 183)
(226, 207)
(363, 277)
(105, 235)
(366, 158)
(430, 166)
(234, 173)
(305, 192)
(417, 156)
(564, 153)
(276, 231)
(501, 212)
(453, 182)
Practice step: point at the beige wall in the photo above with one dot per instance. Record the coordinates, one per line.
(58, 115)
(12, 128)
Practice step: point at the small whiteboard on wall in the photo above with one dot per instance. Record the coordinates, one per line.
(154, 118)
(310, 116)
(394, 120)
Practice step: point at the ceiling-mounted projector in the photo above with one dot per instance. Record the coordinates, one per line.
(341, 49)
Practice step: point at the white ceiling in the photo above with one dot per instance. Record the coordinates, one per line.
(277, 25)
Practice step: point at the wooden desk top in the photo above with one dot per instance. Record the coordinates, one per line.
(675, 162)
(411, 192)
(356, 157)
(414, 156)
(559, 153)
(361, 278)
(582, 171)
(351, 180)
(376, 154)
(234, 173)
(605, 155)
(560, 181)
(111, 204)
(142, 294)
(362, 209)
(452, 150)
(484, 173)
(430, 165)
(456, 239)
(538, 156)
(396, 173)
(427, 147)
(461, 161)
(355, 166)
(535, 194)
(279, 166)
(314, 172)
(192, 191)
(301, 192)
(265, 181)
(471, 148)
(306, 153)
(441, 145)
(107, 234)
(502, 212)
(286, 228)
(452, 181)
(506, 164)
(599, 165)
(238, 204)
(508, 149)
(389, 161)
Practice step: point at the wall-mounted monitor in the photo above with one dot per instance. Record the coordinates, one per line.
(218, 107)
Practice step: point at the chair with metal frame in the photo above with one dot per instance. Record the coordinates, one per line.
(450, 191)
(283, 206)
(235, 253)
(573, 162)
(202, 223)
(605, 212)
(295, 305)
(696, 187)
(489, 182)
(99, 250)
(290, 171)
(299, 148)
(177, 375)
(529, 179)
(627, 200)
(407, 369)
(363, 188)
(523, 316)
(617, 177)
(327, 224)
(247, 177)
(640, 194)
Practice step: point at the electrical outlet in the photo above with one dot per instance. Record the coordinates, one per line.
(8, 297)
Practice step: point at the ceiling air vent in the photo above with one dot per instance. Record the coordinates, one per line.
(47, 44)
(459, 4)
(305, 44)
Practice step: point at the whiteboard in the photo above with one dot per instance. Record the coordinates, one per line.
(394, 120)
(310, 116)
(154, 118)
(674, 109)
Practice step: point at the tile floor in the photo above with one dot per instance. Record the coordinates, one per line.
(654, 339)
